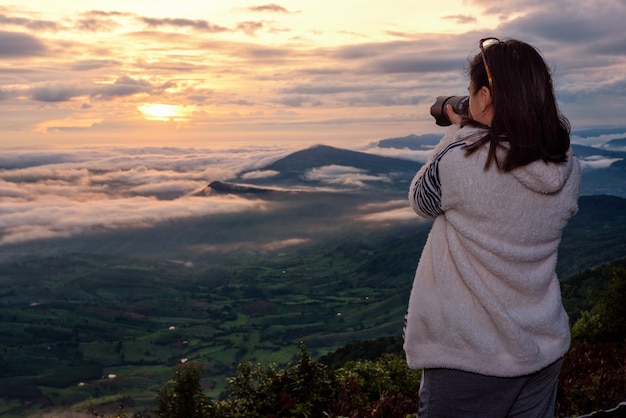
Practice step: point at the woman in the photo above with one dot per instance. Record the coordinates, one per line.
(485, 319)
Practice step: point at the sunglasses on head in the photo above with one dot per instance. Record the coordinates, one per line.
(486, 43)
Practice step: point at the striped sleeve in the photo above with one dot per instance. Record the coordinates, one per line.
(425, 192)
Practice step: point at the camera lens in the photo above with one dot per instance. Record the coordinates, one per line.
(460, 104)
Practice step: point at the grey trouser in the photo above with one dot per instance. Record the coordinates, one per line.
(447, 393)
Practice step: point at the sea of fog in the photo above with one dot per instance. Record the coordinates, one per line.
(48, 193)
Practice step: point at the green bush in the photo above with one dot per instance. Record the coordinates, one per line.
(302, 389)
(390, 375)
(593, 377)
(182, 396)
(306, 388)
(606, 321)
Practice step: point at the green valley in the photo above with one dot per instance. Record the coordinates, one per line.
(87, 329)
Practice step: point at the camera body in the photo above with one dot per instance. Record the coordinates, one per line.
(460, 104)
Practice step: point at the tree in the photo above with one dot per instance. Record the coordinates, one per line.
(606, 321)
(182, 396)
(302, 389)
(381, 388)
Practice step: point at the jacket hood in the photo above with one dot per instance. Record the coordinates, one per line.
(543, 177)
(538, 176)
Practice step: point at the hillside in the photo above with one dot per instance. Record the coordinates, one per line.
(296, 168)
(324, 252)
(78, 317)
(299, 162)
(617, 143)
(598, 228)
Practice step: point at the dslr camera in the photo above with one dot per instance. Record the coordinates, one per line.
(460, 104)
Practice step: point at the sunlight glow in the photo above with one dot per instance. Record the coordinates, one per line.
(164, 112)
(100, 72)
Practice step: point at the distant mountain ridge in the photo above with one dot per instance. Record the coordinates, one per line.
(618, 143)
(604, 170)
(293, 169)
(583, 151)
(415, 142)
(220, 187)
(299, 162)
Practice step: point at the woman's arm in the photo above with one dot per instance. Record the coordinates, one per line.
(425, 190)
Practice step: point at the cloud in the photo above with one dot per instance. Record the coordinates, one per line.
(597, 161)
(250, 28)
(268, 8)
(54, 93)
(388, 212)
(325, 89)
(10, 190)
(96, 25)
(420, 156)
(263, 53)
(102, 13)
(98, 21)
(598, 138)
(52, 194)
(34, 24)
(17, 44)
(393, 215)
(350, 95)
(282, 244)
(350, 83)
(46, 194)
(123, 86)
(200, 25)
(561, 26)
(415, 65)
(461, 19)
(166, 188)
(343, 175)
(46, 173)
(94, 64)
(568, 27)
(66, 217)
(293, 101)
(505, 8)
(259, 174)
(13, 160)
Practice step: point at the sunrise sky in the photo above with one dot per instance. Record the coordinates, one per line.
(108, 106)
(216, 73)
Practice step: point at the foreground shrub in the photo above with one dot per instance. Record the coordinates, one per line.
(606, 321)
(303, 389)
(182, 396)
(382, 388)
(593, 378)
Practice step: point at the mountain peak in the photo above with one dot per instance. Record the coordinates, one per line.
(325, 155)
(222, 187)
(295, 169)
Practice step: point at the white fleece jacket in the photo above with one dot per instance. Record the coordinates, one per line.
(485, 297)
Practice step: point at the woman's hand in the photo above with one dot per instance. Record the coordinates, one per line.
(454, 117)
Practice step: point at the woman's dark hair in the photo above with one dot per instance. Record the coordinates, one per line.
(526, 119)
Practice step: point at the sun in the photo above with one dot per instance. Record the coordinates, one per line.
(162, 112)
